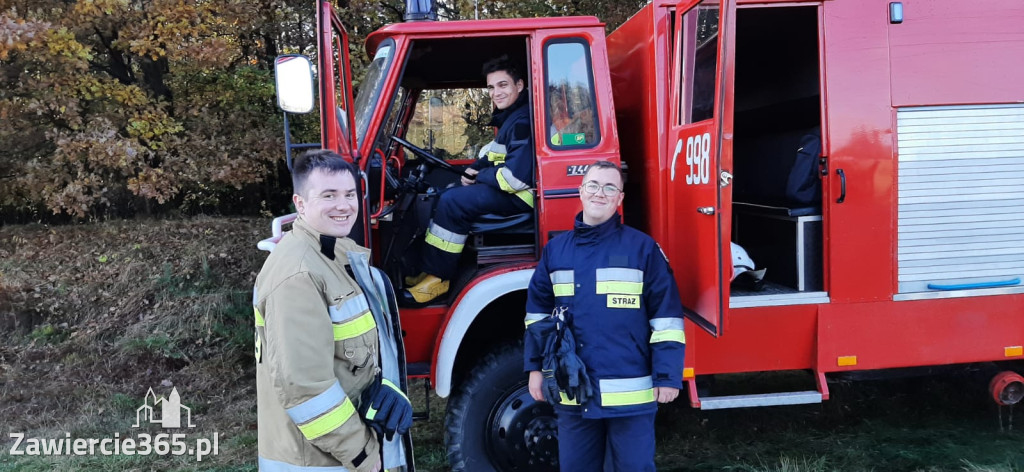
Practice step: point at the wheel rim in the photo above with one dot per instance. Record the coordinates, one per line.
(523, 433)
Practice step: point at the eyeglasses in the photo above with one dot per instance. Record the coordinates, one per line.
(609, 190)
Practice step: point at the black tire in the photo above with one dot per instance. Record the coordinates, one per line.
(493, 424)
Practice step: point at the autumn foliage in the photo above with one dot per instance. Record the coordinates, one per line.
(119, 107)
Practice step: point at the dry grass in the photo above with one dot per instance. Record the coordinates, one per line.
(96, 314)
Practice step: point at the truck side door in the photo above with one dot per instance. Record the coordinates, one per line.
(699, 200)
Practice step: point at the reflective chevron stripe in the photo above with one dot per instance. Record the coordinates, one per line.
(351, 308)
(323, 413)
(445, 240)
(622, 392)
(667, 329)
(509, 183)
(621, 281)
(356, 327)
(562, 283)
(532, 318)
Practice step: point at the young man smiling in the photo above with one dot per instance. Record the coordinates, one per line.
(619, 299)
(502, 184)
(317, 341)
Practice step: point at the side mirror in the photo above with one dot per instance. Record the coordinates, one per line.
(293, 77)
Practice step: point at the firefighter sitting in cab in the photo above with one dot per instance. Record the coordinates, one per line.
(610, 290)
(502, 185)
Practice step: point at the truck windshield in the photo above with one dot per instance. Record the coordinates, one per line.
(370, 87)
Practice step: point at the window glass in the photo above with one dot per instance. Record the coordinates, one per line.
(701, 25)
(569, 94)
(341, 104)
(452, 123)
(370, 87)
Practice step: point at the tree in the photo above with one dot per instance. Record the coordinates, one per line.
(110, 104)
(112, 107)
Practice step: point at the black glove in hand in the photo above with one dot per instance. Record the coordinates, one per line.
(388, 409)
(549, 387)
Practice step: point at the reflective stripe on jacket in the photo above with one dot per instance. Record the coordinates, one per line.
(624, 310)
(316, 345)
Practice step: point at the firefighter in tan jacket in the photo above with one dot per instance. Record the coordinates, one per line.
(317, 342)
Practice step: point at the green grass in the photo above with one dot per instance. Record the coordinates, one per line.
(919, 424)
(928, 424)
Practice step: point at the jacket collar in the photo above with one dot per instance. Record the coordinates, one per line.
(498, 117)
(329, 246)
(586, 234)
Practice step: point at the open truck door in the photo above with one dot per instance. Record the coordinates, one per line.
(336, 102)
(700, 145)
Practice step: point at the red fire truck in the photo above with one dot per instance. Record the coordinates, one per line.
(911, 254)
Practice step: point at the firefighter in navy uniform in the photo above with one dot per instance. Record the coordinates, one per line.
(320, 396)
(622, 307)
(502, 185)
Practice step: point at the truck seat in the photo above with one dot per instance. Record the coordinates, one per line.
(520, 223)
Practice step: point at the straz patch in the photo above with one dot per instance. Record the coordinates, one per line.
(623, 301)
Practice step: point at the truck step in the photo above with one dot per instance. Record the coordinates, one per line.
(510, 253)
(761, 399)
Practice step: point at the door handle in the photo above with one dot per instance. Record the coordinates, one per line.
(842, 186)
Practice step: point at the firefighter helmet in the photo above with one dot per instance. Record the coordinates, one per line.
(741, 262)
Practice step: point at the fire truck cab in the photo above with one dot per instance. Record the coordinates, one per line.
(867, 154)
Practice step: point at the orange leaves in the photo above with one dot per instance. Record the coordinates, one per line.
(112, 106)
(153, 183)
(16, 33)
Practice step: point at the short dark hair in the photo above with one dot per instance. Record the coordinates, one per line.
(323, 159)
(503, 63)
(607, 165)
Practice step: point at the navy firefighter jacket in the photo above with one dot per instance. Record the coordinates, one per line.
(508, 164)
(624, 311)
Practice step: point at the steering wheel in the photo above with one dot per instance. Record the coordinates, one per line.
(429, 158)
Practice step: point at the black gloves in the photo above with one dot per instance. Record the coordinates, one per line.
(386, 409)
(562, 369)
(571, 375)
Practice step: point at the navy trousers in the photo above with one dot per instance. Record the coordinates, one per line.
(458, 208)
(581, 443)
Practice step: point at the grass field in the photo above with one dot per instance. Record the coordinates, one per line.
(936, 423)
(91, 316)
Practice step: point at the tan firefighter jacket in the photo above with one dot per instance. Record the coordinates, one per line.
(316, 351)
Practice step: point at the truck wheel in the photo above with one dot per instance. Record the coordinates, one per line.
(493, 424)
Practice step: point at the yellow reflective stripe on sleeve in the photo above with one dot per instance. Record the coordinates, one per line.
(446, 246)
(508, 181)
(532, 318)
(355, 327)
(330, 421)
(676, 335)
(259, 317)
(563, 290)
(564, 400)
(496, 157)
(627, 398)
(622, 288)
(628, 391)
(526, 196)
